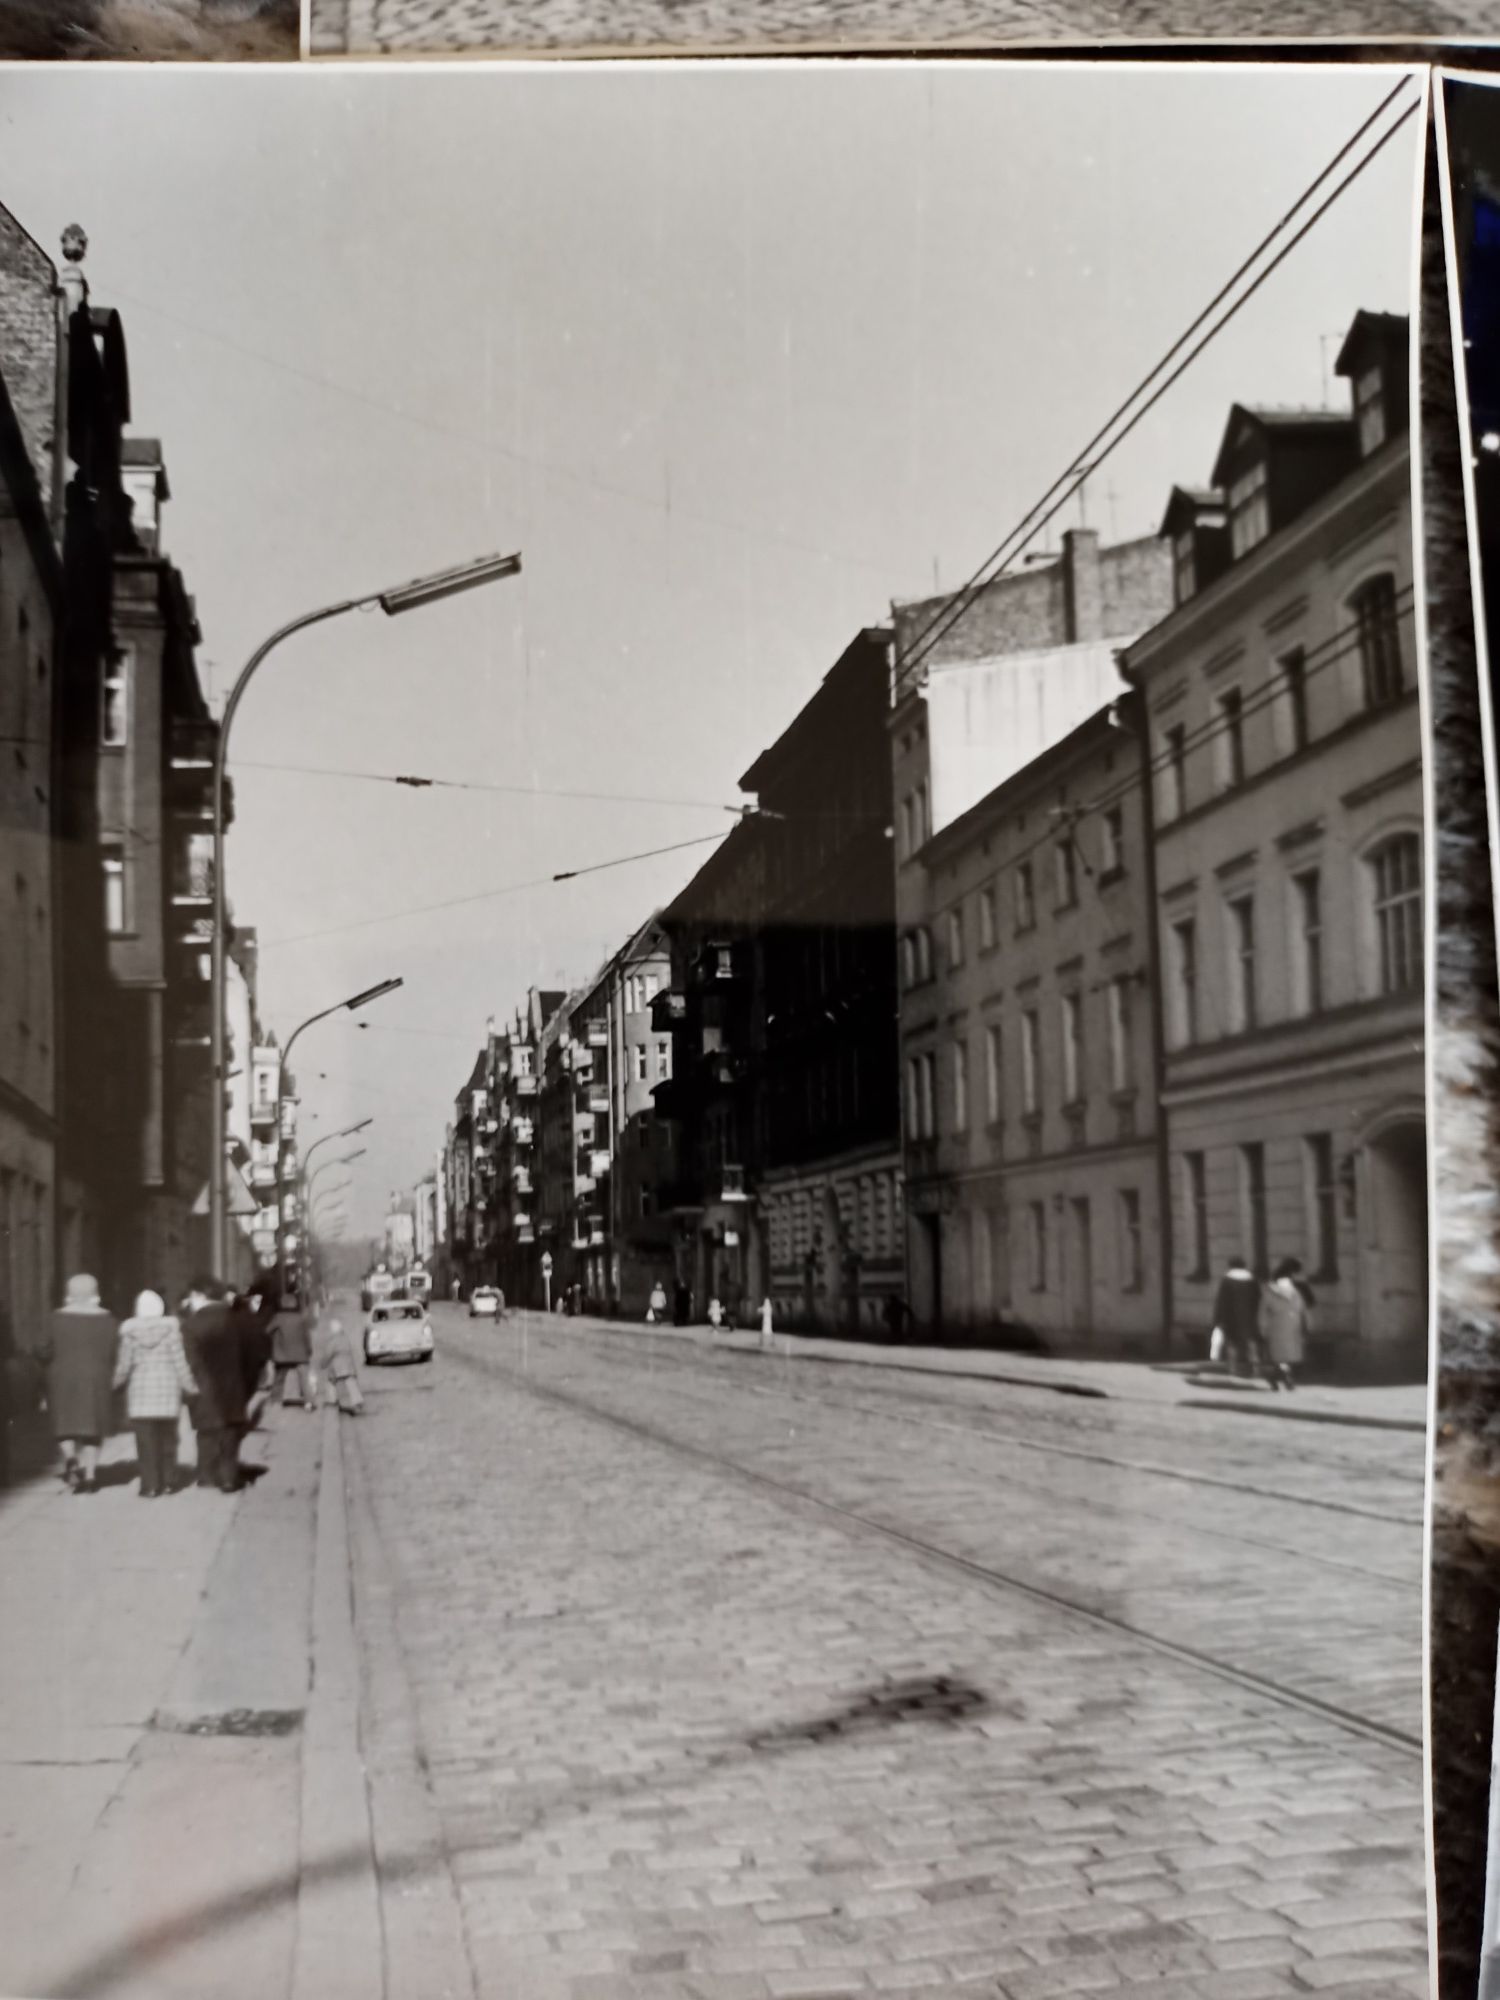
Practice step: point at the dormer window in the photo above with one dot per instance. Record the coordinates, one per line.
(1249, 509)
(1369, 409)
(1184, 565)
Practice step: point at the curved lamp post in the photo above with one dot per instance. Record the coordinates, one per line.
(348, 1132)
(406, 597)
(339, 1007)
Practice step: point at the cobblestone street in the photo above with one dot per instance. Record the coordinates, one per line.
(740, 1676)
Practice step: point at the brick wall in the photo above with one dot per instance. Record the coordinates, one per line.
(28, 343)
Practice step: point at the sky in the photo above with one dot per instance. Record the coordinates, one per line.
(733, 354)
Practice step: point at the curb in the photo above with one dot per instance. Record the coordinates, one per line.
(784, 1350)
(339, 1952)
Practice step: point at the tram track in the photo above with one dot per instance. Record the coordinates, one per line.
(859, 1525)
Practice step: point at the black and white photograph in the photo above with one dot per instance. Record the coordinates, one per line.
(150, 30)
(714, 1042)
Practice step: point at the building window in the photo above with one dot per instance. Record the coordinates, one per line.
(1185, 978)
(1114, 840)
(1379, 640)
(113, 859)
(960, 1086)
(640, 1062)
(910, 842)
(1065, 869)
(664, 1059)
(924, 822)
(114, 714)
(1025, 897)
(1184, 565)
(1307, 890)
(1396, 874)
(1174, 772)
(1241, 912)
(956, 937)
(1121, 1064)
(986, 919)
(1031, 1062)
(929, 1095)
(1253, 1205)
(1230, 736)
(1072, 1048)
(1321, 1197)
(1037, 1244)
(1293, 667)
(909, 959)
(1369, 409)
(1249, 509)
(924, 953)
(1195, 1202)
(1131, 1270)
(198, 867)
(992, 1057)
(913, 1098)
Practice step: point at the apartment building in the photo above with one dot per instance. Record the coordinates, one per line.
(983, 686)
(1029, 1062)
(1284, 741)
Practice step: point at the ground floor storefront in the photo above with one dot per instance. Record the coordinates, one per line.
(832, 1235)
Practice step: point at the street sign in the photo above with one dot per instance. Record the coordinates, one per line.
(546, 1263)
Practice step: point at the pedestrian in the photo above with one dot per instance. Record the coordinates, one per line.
(1286, 1320)
(894, 1312)
(715, 1314)
(154, 1364)
(767, 1322)
(334, 1358)
(1237, 1317)
(79, 1354)
(658, 1305)
(291, 1354)
(220, 1353)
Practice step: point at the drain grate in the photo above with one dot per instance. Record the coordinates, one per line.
(233, 1722)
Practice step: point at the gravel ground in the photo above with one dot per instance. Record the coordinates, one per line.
(466, 26)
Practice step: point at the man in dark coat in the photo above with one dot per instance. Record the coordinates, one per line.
(1237, 1315)
(218, 1339)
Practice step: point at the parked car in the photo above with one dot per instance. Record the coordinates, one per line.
(485, 1303)
(398, 1331)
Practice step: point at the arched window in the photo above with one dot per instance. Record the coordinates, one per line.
(1378, 640)
(1396, 883)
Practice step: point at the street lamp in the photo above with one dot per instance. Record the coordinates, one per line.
(363, 999)
(348, 1132)
(405, 597)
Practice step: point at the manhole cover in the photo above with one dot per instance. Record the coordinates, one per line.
(234, 1722)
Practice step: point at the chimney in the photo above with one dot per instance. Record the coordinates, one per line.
(1083, 595)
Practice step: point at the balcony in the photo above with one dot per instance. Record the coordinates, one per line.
(584, 1126)
(520, 1179)
(597, 1034)
(732, 1183)
(668, 1009)
(262, 1173)
(594, 1100)
(716, 962)
(584, 1183)
(525, 1086)
(522, 1131)
(524, 1231)
(599, 1163)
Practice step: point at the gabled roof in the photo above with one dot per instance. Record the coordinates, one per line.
(1383, 330)
(1187, 503)
(1276, 421)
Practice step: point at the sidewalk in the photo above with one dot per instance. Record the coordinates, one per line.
(154, 1672)
(1402, 1408)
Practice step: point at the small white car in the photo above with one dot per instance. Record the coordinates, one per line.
(484, 1302)
(398, 1331)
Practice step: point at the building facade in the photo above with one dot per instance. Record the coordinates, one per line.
(1285, 777)
(995, 910)
(825, 1209)
(1029, 1059)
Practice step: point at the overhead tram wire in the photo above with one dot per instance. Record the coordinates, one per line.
(1344, 642)
(505, 889)
(1102, 445)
